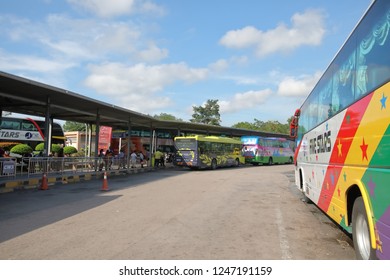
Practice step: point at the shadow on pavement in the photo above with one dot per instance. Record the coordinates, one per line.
(27, 210)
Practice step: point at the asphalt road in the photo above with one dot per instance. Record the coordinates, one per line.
(232, 213)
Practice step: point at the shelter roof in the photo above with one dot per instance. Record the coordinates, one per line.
(25, 96)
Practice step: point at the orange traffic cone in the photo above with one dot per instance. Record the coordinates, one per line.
(44, 183)
(105, 183)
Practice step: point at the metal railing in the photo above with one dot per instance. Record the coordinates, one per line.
(30, 166)
(7, 167)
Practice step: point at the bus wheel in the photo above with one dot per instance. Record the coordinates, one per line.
(360, 232)
(237, 162)
(290, 160)
(214, 164)
(270, 162)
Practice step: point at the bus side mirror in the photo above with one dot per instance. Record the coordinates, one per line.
(294, 124)
(293, 128)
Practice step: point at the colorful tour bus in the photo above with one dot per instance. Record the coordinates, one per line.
(207, 152)
(28, 131)
(342, 161)
(267, 150)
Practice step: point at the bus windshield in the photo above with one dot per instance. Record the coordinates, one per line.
(185, 144)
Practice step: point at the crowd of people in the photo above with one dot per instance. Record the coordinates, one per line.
(137, 158)
(108, 160)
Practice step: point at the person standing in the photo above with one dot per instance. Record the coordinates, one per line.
(101, 159)
(133, 159)
(157, 157)
(162, 159)
(141, 159)
(121, 159)
(108, 160)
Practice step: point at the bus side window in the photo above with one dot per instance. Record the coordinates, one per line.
(27, 126)
(10, 125)
(201, 150)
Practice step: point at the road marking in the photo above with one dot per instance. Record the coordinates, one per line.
(283, 241)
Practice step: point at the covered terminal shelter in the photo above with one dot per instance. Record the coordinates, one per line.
(24, 96)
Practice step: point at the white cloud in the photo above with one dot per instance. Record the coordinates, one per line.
(307, 29)
(11, 62)
(106, 8)
(219, 65)
(74, 39)
(243, 38)
(246, 100)
(239, 60)
(151, 8)
(109, 8)
(152, 54)
(61, 38)
(88, 38)
(296, 87)
(138, 86)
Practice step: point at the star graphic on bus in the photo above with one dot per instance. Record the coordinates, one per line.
(348, 119)
(339, 146)
(383, 101)
(364, 147)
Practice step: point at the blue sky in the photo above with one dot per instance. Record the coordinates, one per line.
(260, 59)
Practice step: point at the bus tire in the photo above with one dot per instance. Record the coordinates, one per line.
(214, 164)
(237, 163)
(360, 232)
(270, 161)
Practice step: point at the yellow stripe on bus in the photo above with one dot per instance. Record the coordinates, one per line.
(361, 151)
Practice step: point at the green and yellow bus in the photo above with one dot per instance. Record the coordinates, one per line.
(211, 152)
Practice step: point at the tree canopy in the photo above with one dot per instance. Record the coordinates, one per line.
(73, 126)
(268, 126)
(166, 117)
(207, 114)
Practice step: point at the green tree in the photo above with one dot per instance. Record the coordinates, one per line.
(73, 126)
(207, 114)
(245, 125)
(167, 117)
(268, 126)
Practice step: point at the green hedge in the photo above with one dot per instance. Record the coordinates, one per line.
(68, 150)
(55, 148)
(21, 149)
